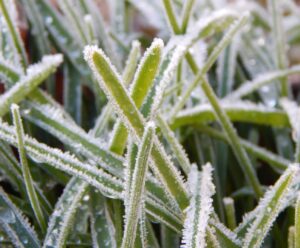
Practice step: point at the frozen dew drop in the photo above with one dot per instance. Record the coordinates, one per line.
(49, 20)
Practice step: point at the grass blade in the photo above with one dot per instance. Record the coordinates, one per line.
(230, 212)
(16, 225)
(233, 138)
(32, 195)
(137, 187)
(297, 224)
(269, 207)
(36, 74)
(187, 13)
(8, 73)
(61, 220)
(200, 208)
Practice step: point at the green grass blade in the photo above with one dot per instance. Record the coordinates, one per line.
(66, 162)
(60, 223)
(169, 9)
(137, 188)
(297, 223)
(174, 144)
(128, 74)
(36, 74)
(10, 19)
(143, 80)
(187, 14)
(16, 225)
(277, 162)
(32, 195)
(269, 207)
(125, 107)
(230, 212)
(200, 208)
(211, 239)
(242, 111)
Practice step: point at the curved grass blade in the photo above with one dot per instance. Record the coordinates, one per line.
(10, 20)
(125, 107)
(42, 153)
(210, 61)
(32, 194)
(14, 170)
(142, 82)
(61, 220)
(137, 188)
(36, 74)
(16, 225)
(175, 145)
(200, 208)
(242, 111)
(277, 162)
(260, 81)
(269, 207)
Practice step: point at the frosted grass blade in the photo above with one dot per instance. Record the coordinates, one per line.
(10, 20)
(32, 194)
(169, 9)
(186, 14)
(127, 76)
(142, 82)
(60, 223)
(137, 188)
(269, 207)
(200, 208)
(16, 225)
(125, 107)
(211, 239)
(240, 111)
(36, 74)
(291, 237)
(8, 73)
(174, 144)
(260, 81)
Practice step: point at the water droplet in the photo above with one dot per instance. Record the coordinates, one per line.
(49, 20)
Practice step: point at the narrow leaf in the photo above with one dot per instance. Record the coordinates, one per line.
(198, 213)
(269, 207)
(32, 194)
